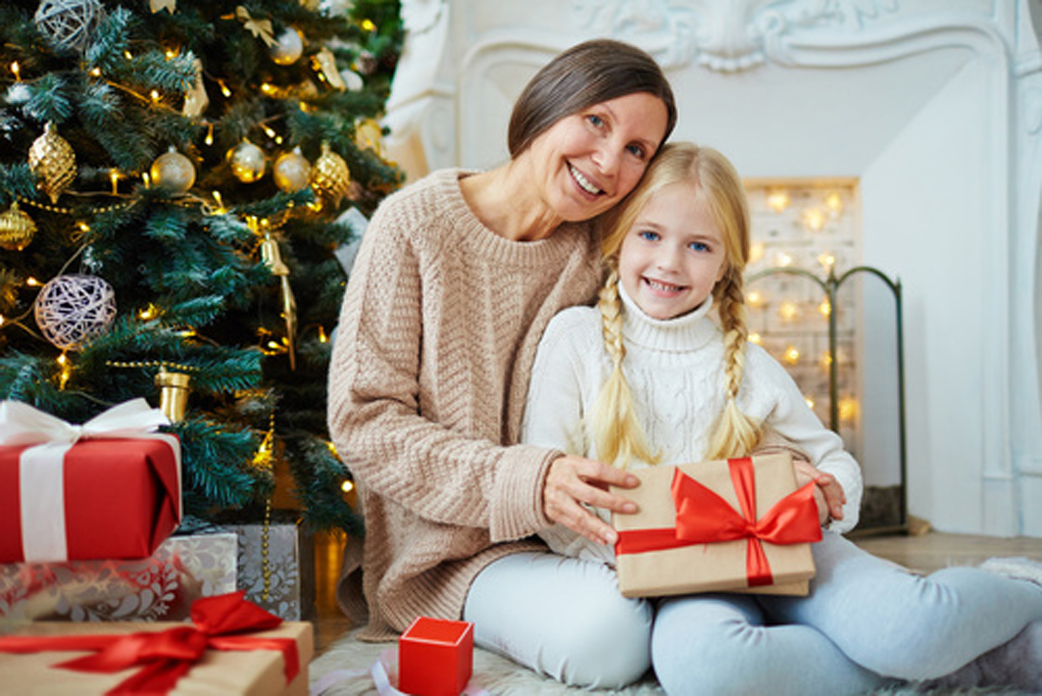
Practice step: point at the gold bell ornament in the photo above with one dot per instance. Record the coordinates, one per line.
(53, 160)
(16, 228)
(173, 394)
(271, 256)
(330, 177)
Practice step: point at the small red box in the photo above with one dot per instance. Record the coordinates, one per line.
(435, 657)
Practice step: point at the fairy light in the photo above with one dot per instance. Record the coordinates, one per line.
(114, 177)
(83, 227)
(368, 25)
(825, 308)
(848, 409)
(783, 259)
(322, 338)
(224, 88)
(810, 402)
(789, 310)
(834, 203)
(171, 53)
(64, 371)
(347, 486)
(792, 355)
(155, 95)
(270, 132)
(128, 55)
(825, 360)
(32, 282)
(147, 179)
(778, 200)
(149, 312)
(220, 202)
(17, 70)
(268, 88)
(95, 72)
(756, 338)
(209, 135)
(756, 251)
(755, 299)
(813, 219)
(827, 260)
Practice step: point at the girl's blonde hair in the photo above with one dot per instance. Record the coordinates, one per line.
(613, 424)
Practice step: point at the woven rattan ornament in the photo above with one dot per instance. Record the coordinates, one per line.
(16, 228)
(330, 177)
(72, 309)
(68, 24)
(53, 160)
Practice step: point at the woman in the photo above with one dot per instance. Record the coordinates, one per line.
(456, 278)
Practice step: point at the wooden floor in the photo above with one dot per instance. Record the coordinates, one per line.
(922, 550)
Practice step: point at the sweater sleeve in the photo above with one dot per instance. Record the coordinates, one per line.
(375, 420)
(794, 420)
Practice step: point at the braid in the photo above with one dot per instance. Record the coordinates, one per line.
(735, 434)
(613, 423)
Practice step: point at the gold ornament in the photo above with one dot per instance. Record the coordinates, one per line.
(196, 99)
(68, 23)
(173, 172)
(288, 48)
(324, 63)
(173, 393)
(158, 5)
(247, 161)
(16, 229)
(369, 136)
(292, 171)
(53, 160)
(271, 256)
(330, 176)
(260, 28)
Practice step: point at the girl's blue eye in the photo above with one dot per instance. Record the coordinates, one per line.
(699, 246)
(595, 120)
(647, 235)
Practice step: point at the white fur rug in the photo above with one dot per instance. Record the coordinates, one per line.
(497, 675)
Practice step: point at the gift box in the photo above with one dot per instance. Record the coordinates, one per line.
(161, 587)
(729, 525)
(276, 564)
(435, 657)
(221, 656)
(109, 489)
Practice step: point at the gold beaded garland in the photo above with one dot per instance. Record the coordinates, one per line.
(54, 161)
(16, 228)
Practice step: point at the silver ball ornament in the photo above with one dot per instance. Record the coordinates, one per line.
(173, 172)
(292, 171)
(288, 47)
(72, 309)
(247, 161)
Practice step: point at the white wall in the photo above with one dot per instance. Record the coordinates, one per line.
(935, 105)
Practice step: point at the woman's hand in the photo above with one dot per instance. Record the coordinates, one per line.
(828, 493)
(574, 480)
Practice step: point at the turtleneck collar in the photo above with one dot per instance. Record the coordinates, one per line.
(685, 333)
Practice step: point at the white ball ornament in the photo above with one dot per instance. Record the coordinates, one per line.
(288, 47)
(247, 161)
(72, 309)
(173, 172)
(292, 171)
(67, 24)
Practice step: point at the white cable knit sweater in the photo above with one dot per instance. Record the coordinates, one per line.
(675, 369)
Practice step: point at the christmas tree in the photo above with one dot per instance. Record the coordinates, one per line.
(179, 183)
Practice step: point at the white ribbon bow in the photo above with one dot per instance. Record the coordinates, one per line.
(41, 467)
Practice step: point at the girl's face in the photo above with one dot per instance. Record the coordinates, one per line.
(587, 162)
(674, 254)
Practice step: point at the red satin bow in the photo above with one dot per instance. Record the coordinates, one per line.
(704, 517)
(166, 656)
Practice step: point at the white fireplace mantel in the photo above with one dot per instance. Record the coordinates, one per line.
(934, 106)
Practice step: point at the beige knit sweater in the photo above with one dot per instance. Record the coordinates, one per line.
(427, 385)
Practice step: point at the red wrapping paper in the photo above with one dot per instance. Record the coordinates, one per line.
(718, 526)
(122, 499)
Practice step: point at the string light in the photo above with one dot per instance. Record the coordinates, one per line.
(322, 338)
(825, 308)
(848, 409)
(782, 259)
(95, 72)
(755, 299)
(825, 360)
(792, 355)
(32, 282)
(17, 70)
(114, 176)
(827, 260)
(368, 25)
(149, 312)
(65, 371)
(756, 339)
(778, 200)
(810, 402)
(834, 202)
(813, 219)
(209, 134)
(224, 88)
(789, 310)
(347, 486)
(128, 55)
(155, 95)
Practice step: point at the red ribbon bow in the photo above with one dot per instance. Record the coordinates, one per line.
(166, 656)
(704, 517)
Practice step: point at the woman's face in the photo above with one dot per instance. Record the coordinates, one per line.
(587, 162)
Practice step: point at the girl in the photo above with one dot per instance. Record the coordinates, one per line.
(647, 377)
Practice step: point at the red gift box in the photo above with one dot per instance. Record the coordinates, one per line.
(114, 494)
(435, 657)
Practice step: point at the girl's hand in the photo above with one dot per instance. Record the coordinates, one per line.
(828, 493)
(572, 481)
